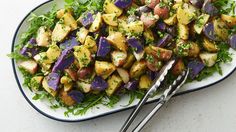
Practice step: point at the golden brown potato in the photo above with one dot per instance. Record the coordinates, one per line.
(29, 65)
(194, 50)
(183, 31)
(110, 8)
(171, 20)
(114, 82)
(145, 82)
(60, 32)
(90, 44)
(82, 34)
(83, 55)
(43, 37)
(229, 20)
(66, 99)
(129, 61)
(209, 46)
(104, 69)
(69, 20)
(221, 29)
(159, 53)
(96, 23)
(178, 67)
(137, 69)
(136, 27)
(110, 19)
(186, 14)
(118, 41)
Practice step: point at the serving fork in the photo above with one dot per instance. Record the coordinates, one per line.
(165, 96)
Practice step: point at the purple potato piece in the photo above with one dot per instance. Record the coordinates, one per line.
(164, 40)
(123, 3)
(195, 68)
(172, 30)
(131, 85)
(142, 9)
(232, 41)
(30, 49)
(53, 80)
(69, 44)
(32, 41)
(209, 32)
(99, 84)
(64, 61)
(197, 3)
(76, 95)
(161, 26)
(87, 19)
(152, 74)
(135, 44)
(104, 47)
(210, 9)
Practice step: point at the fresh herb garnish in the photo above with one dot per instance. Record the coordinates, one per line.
(80, 6)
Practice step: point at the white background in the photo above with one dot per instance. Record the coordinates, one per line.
(209, 110)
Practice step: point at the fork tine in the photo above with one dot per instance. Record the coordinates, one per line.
(154, 87)
(164, 98)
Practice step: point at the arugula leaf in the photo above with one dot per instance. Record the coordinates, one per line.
(209, 71)
(223, 54)
(225, 6)
(80, 6)
(17, 56)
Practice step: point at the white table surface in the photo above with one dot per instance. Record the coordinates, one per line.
(209, 110)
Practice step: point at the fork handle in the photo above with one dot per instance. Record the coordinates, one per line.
(134, 113)
(139, 127)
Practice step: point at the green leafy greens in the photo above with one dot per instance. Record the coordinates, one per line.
(80, 6)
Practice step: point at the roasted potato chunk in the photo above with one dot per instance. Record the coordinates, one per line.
(114, 82)
(183, 31)
(82, 34)
(209, 46)
(110, 19)
(66, 99)
(178, 67)
(145, 82)
(60, 32)
(69, 20)
(96, 23)
(137, 69)
(104, 69)
(83, 55)
(118, 41)
(43, 37)
(110, 8)
(90, 44)
(159, 53)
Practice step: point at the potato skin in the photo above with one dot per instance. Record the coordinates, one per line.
(152, 3)
(194, 50)
(178, 67)
(162, 12)
(159, 53)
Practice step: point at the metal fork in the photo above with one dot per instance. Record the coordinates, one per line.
(168, 93)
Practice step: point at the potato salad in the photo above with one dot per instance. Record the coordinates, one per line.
(96, 51)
